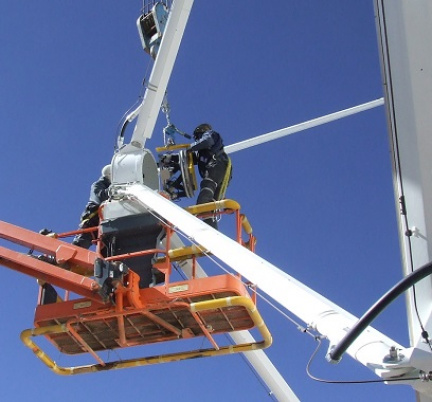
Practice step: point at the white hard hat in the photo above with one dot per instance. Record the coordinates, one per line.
(106, 172)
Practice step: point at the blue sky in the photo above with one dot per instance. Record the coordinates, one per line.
(320, 202)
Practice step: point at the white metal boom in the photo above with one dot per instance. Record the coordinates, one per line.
(161, 72)
(371, 348)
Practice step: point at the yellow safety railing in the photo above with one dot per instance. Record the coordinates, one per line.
(182, 253)
(227, 206)
(244, 301)
(173, 147)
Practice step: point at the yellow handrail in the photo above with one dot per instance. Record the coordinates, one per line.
(182, 253)
(245, 224)
(226, 204)
(244, 301)
(237, 301)
(172, 147)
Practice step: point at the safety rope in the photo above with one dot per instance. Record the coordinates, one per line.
(170, 129)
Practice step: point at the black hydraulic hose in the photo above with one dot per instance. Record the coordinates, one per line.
(411, 279)
(125, 120)
(121, 134)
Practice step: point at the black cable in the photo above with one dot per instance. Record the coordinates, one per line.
(377, 308)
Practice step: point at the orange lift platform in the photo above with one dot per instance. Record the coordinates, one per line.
(89, 319)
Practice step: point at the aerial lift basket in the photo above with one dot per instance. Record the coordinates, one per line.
(173, 311)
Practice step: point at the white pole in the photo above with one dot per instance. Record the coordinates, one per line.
(251, 142)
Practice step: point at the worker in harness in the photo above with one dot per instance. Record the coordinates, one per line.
(90, 216)
(118, 244)
(214, 166)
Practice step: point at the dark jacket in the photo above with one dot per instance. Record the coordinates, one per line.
(209, 149)
(99, 191)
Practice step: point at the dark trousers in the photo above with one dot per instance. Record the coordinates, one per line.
(89, 218)
(216, 177)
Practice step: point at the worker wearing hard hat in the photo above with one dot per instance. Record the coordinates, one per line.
(90, 216)
(214, 166)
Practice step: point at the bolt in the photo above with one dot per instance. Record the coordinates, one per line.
(425, 377)
(393, 353)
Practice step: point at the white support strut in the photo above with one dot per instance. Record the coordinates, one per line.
(370, 348)
(261, 139)
(161, 72)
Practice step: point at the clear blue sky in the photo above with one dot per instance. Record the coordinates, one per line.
(320, 202)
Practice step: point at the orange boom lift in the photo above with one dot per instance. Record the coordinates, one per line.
(103, 312)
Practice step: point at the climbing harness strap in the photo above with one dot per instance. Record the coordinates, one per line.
(226, 180)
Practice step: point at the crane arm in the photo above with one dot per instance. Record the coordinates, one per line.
(63, 253)
(372, 348)
(162, 69)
